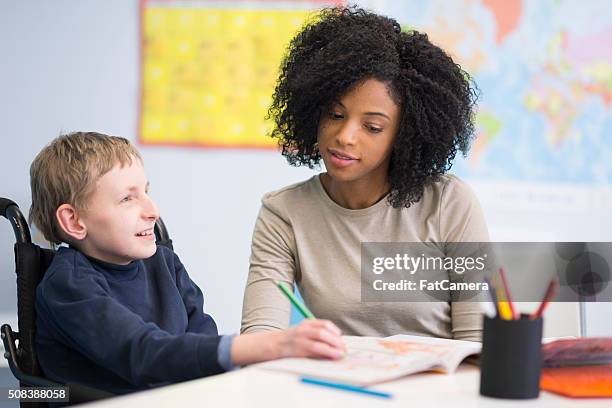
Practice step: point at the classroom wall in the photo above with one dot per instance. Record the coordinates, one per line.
(73, 65)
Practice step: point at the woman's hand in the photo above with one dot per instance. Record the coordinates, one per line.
(311, 338)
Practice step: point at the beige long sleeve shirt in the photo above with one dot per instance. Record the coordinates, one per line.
(302, 236)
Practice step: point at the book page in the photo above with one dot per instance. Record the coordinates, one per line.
(372, 360)
(450, 352)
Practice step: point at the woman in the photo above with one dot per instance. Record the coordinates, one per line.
(386, 111)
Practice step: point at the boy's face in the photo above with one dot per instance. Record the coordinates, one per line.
(120, 216)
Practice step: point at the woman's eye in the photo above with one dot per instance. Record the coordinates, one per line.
(374, 129)
(335, 115)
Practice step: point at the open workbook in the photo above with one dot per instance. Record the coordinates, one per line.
(371, 360)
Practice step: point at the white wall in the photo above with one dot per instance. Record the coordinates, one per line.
(72, 65)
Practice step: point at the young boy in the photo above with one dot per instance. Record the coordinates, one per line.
(115, 311)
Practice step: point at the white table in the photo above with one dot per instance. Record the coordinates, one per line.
(256, 387)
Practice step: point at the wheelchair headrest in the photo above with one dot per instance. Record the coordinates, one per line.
(4, 204)
(11, 212)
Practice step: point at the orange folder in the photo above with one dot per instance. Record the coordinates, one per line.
(578, 382)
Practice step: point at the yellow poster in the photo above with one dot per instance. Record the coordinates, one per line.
(208, 74)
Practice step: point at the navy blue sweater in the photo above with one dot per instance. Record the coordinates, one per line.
(122, 328)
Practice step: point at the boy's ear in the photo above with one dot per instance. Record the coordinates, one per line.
(69, 221)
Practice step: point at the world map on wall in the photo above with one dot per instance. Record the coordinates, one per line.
(544, 69)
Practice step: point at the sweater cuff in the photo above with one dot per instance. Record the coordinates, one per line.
(224, 353)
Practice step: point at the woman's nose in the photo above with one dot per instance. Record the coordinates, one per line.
(346, 134)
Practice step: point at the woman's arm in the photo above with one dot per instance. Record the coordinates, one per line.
(272, 260)
(462, 220)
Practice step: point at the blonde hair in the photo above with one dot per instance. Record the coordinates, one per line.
(66, 172)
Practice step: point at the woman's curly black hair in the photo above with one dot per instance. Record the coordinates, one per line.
(340, 48)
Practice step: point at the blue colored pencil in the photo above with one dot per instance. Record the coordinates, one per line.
(492, 295)
(345, 387)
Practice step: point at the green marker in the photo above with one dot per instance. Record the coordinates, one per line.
(303, 309)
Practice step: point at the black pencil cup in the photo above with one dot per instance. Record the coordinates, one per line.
(511, 361)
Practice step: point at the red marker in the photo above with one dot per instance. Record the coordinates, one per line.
(550, 294)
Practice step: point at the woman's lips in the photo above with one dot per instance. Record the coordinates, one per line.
(340, 159)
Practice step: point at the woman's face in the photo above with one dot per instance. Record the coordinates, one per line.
(356, 135)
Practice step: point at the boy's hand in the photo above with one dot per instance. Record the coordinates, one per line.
(312, 338)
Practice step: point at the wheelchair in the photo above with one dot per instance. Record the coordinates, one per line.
(31, 262)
